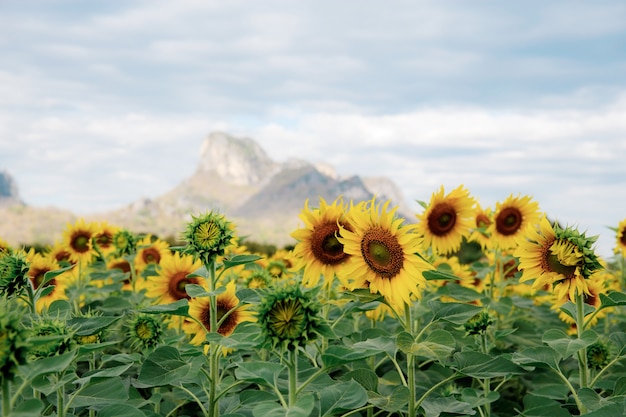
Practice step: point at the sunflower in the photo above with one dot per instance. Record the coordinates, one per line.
(620, 244)
(169, 285)
(103, 239)
(39, 266)
(226, 303)
(596, 286)
(59, 252)
(78, 241)
(150, 250)
(318, 251)
(384, 253)
(483, 218)
(446, 220)
(510, 220)
(4, 245)
(14, 267)
(558, 260)
(122, 265)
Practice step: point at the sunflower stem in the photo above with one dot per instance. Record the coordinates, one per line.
(293, 377)
(32, 300)
(6, 397)
(582, 353)
(213, 348)
(487, 381)
(410, 361)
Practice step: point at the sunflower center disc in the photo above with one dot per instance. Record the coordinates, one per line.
(442, 219)
(509, 221)
(382, 252)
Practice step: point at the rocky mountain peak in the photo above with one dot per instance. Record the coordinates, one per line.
(239, 161)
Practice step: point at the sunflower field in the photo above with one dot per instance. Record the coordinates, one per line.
(467, 311)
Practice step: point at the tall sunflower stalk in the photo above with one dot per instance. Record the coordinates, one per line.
(208, 236)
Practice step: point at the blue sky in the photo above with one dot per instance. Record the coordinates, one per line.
(105, 102)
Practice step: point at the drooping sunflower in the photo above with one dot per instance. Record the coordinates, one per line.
(620, 243)
(78, 241)
(169, 285)
(318, 251)
(558, 260)
(510, 220)
(446, 220)
(150, 250)
(384, 254)
(14, 267)
(226, 303)
(39, 266)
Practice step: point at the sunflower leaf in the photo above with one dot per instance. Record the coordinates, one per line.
(240, 260)
(566, 345)
(177, 308)
(438, 274)
(50, 275)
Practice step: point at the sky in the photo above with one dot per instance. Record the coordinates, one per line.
(104, 102)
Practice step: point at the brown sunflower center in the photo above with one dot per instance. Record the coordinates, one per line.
(151, 256)
(104, 240)
(228, 325)
(622, 238)
(442, 219)
(177, 285)
(593, 299)
(482, 220)
(62, 256)
(382, 252)
(80, 241)
(509, 221)
(325, 246)
(38, 275)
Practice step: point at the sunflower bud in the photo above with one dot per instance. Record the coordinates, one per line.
(145, 331)
(125, 243)
(289, 317)
(597, 356)
(479, 323)
(13, 339)
(51, 337)
(13, 274)
(208, 236)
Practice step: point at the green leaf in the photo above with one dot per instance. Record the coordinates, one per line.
(393, 402)
(366, 377)
(177, 308)
(477, 398)
(53, 364)
(619, 340)
(259, 372)
(539, 356)
(479, 365)
(535, 406)
(28, 408)
(101, 391)
(195, 290)
(165, 366)
(340, 397)
(302, 408)
(433, 407)
(104, 373)
(569, 308)
(620, 387)
(86, 326)
(248, 295)
(566, 345)
(116, 305)
(251, 396)
(117, 410)
(456, 313)
(382, 344)
(612, 299)
(340, 355)
(438, 274)
(50, 275)
(240, 260)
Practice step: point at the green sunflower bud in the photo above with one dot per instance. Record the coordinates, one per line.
(289, 317)
(14, 344)
(597, 356)
(144, 331)
(479, 323)
(208, 236)
(52, 337)
(125, 243)
(13, 274)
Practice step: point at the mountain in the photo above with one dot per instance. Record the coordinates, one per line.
(237, 178)
(9, 193)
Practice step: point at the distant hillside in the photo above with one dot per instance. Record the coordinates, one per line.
(235, 177)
